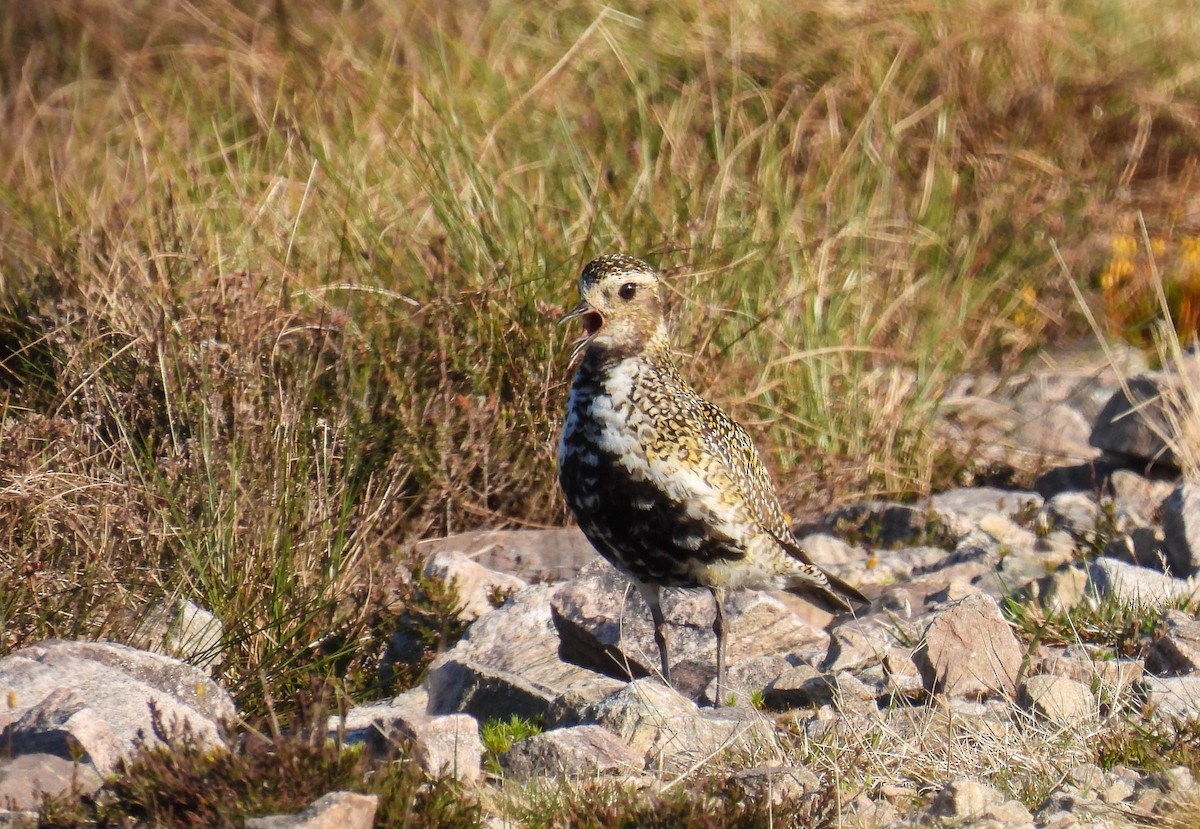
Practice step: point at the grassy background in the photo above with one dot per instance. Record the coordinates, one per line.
(278, 280)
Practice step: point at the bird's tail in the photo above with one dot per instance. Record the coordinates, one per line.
(829, 593)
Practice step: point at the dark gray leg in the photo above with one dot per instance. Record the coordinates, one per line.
(652, 596)
(719, 629)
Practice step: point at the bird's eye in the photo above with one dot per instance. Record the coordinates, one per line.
(627, 291)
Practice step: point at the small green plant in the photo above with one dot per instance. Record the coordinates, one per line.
(499, 735)
(758, 699)
(1124, 628)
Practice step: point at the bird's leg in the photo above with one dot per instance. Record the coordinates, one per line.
(718, 594)
(653, 597)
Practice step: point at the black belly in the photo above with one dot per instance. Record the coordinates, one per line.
(637, 527)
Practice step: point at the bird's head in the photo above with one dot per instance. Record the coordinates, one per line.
(620, 306)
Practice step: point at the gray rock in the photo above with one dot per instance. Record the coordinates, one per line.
(746, 678)
(902, 675)
(893, 566)
(477, 587)
(181, 629)
(670, 731)
(1108, 577)
(967, 799)
(1058, 699)
(800, 687)
(530, 555)
(1172, 698)
(1181, 529)
(777, 785)
(336, 810)
(884, 524)
(507, 663)
(605, 625)
(568, 708)
(1143, 420)
(961, 510)
(24, 779)
(857, 643)
(1177, 651)
(446, 745)
(63, 725)
(969, 650)
(1063, 589)
(1079, 513)
(1140, 496)
(358, 726)
(832, 552)
(577, 751)
(1114, 680)
(1140, 546)
(112, 691)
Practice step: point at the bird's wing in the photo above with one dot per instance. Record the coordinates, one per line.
(728, 440)
(728, 444)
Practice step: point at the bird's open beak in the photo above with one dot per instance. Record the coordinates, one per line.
(592, 322)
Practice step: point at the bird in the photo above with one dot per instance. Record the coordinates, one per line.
(665, 485)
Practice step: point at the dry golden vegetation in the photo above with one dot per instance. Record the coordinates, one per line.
(278, 280)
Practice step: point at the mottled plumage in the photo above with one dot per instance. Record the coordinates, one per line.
(664, 484)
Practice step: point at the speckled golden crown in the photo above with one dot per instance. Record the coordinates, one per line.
(611, 263)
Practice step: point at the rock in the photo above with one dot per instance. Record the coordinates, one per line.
(967, 799)
(478, 588)
(1177, 651)
(960, 510)
(1140, 546)
(1060, 591)
(1153, 411)
(577, 751)
(183, 630)
(506, 664)
(1090, 478)
(1108, 577)
(832, 552)
(112, 690)
(976, 554)
(568, 708)
(884, 524)
(1058, 699)
(900, 565)
(1113, 679)
(669, 731)
(903, 677)
(1140, 496)
(1172, 698)
(745, 679)
(24, 779)
(1013, 574)
(777, 785)
(530, 555)
(1181, 529)
(336, 810)
(1078, 513)
(857, 643)
(605, 625)
(864, 813)
(63, 725)
(358, 726)
(969, 650)
(800, 687)
(446, 745)
(1021, 420)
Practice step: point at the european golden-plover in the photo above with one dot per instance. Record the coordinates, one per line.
(666, 486)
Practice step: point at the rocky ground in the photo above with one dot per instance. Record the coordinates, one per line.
(963, 697)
